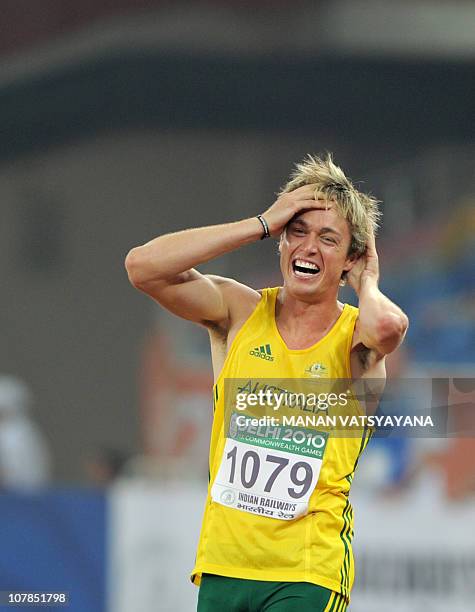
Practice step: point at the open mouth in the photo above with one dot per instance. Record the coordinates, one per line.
(304, 268)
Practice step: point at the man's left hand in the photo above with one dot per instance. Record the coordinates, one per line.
(367, 266)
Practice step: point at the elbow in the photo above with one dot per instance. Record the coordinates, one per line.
(142, 270)
(390, 331)
(134, 265)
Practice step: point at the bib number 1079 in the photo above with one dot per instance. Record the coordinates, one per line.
(253, 466)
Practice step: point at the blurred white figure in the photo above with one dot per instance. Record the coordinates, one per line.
(25, 460)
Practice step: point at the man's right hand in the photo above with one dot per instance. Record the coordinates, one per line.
(164, 268)
(290, 204)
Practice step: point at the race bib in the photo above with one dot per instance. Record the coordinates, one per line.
(271, 471)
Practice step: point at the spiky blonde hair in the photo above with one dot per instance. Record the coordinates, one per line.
(331, 184)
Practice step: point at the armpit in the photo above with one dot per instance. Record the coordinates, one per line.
(363, 354)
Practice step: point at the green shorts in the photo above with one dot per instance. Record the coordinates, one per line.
(218, 593)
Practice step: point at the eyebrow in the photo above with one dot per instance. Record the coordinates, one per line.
(330, 230)
(323, 230)
(297, 220)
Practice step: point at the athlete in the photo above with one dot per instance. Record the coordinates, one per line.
(277, 528)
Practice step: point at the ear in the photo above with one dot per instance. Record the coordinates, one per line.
(351, 261)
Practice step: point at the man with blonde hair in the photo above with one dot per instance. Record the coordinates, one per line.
(277, 528)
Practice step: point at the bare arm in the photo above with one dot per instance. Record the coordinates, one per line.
(380, 327)
(164, 268)
(381, 324)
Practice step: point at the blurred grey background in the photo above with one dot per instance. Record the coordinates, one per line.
(121, 120)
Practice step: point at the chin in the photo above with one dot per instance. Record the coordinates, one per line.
(305, 291)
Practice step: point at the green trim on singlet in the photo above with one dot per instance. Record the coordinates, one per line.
(346, 533)
(344, 570)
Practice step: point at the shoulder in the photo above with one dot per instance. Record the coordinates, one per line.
(234, 292)
(240, 299)
(352, 311)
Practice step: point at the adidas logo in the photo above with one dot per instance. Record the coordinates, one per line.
(264, 352)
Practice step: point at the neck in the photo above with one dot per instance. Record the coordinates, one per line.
(294, 314)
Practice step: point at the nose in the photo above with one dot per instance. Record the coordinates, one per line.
(310, 244)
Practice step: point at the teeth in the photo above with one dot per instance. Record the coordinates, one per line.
(306, 264)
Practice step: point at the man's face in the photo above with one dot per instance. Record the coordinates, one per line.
(314, 253)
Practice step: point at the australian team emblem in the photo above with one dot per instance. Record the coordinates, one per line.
(316, 370)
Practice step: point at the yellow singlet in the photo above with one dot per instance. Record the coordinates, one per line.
(315, 547)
